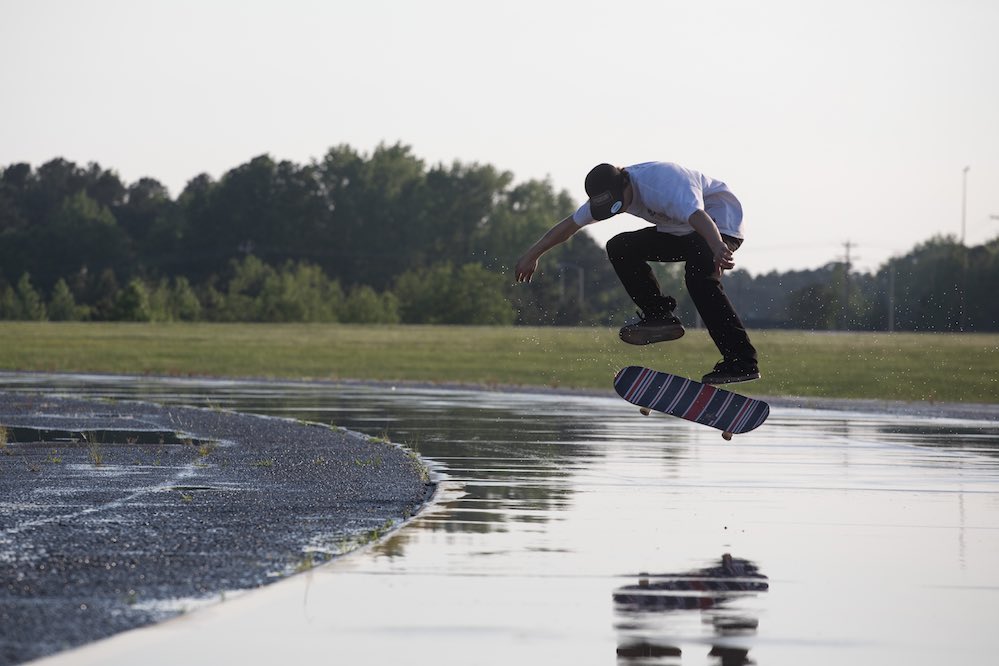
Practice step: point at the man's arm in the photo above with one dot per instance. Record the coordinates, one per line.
(706, 227)
(558, 234)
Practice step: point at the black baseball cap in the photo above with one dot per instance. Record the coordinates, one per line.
(605, 186)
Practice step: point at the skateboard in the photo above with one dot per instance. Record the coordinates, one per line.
(701, 403)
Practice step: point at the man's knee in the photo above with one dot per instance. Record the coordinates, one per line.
(620, 246)
(701, 277)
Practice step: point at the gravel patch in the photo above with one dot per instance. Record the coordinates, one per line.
(114, 515)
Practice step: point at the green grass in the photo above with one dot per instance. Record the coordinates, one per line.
(930, 367)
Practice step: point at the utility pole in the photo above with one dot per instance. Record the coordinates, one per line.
(964, 201)
(848, 245)
(891, 295)
(964, 248)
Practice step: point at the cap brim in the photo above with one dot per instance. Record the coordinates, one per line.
(606, 204)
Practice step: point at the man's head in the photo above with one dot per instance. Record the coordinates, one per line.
(605, 185)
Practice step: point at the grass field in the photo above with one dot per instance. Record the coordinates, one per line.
(921, 367)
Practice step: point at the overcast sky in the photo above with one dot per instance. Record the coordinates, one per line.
(832, 121)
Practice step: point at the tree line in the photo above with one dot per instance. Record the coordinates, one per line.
(385, 238)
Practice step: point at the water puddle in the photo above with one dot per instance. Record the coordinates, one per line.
(98, 436)
(569, 529)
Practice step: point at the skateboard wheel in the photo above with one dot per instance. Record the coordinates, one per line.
(645, 411)
(727, 436)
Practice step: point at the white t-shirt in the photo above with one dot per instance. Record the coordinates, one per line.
(667, 194)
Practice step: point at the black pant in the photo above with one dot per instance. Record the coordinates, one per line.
(630, 253)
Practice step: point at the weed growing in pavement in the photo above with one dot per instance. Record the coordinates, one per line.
(206, 448)
(93, 449)
(307, 562)
(380, 440)
(375, 534)
(4, 436)
(421, 468)
(375, 461)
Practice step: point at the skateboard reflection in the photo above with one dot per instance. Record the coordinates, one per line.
(641, 608)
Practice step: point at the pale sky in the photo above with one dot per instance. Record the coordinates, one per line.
(832, 121)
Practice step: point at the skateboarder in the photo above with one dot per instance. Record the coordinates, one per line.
(698, 220)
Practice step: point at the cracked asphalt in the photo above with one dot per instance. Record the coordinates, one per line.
(114, 515)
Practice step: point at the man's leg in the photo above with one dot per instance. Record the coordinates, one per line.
(723, 323)
(630, 253)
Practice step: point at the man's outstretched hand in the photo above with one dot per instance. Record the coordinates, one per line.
(526, 266)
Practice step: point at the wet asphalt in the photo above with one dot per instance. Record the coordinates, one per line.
(114, 515)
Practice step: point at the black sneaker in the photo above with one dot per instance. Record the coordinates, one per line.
(730, 372)
(646, 330)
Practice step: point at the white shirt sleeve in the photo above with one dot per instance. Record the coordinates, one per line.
(582, 216)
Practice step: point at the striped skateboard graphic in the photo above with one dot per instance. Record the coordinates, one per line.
(701, 403)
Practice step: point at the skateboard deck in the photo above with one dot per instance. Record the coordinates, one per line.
(701, 403)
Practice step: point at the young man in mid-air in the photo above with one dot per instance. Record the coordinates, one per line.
(698, 221)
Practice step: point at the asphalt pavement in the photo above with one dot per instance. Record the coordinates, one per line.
(114, 515)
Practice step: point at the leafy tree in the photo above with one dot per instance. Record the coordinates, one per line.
(12, 219)
(363, 305)
(245, 288)
(928, 285)
(443, 294)
(174, 301)
(983, 276)
(198, 256)
(29, 303)
(263, 207)
(374, 230)
(102, 295)
(148, 217)
(10, 308)
(814, 307)
(479, 297)
(183, 302)
(463, 201)
(132, 303)
(213, 302)
(82, 233)
(523, 213)
(298, 292)
(62, 305)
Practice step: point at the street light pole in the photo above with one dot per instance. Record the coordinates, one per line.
(964, 201)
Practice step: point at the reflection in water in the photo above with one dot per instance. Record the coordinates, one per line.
(645, 610)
